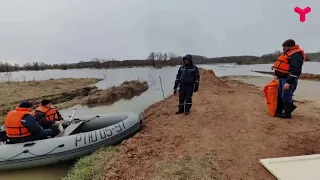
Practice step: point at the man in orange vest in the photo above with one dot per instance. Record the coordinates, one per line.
(49, 117)
(287, 69)
(21, 125)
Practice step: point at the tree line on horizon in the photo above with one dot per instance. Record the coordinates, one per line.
(155, 59)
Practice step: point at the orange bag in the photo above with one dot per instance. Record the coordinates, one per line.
(271, 93)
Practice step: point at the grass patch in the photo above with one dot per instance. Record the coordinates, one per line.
(203, 167)
(17, 91)
(58, 90)
(126, 90)
(92, 167)
(65, 93)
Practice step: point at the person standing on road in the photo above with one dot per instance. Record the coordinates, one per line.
(188, 77)
(287, 69)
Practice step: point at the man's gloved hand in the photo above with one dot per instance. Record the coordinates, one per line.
(196, 88)
(174, 91)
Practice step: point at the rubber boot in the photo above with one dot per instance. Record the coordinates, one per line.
(279, 110)
(181, 107)
(187, 109)
(288, 109)
(278, 114)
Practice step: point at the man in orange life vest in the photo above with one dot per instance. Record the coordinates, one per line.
(288, 68)
(21, 125)
(49, 117)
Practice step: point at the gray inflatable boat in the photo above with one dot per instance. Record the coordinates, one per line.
(84, 135)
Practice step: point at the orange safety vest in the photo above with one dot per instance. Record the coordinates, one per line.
(14, 127)
(282, 64)
(50, 113)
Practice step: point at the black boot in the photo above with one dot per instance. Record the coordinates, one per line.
(288, 109)
(179, 112)
(181, 109)
(187, 108)
(278, 114)
(286, 115)
(279, 110)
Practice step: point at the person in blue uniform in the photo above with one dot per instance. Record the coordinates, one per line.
(188, 77)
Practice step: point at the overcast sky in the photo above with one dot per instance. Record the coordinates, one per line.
(74, 30)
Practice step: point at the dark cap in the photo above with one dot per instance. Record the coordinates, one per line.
(45, 102)
(289, 43)
(25, 104)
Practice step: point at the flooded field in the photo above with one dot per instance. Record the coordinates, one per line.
(138, 104)
(306, 90)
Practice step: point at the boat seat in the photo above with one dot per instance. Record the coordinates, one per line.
(72, 127)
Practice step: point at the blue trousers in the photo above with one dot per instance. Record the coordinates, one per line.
(185, 98)
(45, 133)
(286, 95)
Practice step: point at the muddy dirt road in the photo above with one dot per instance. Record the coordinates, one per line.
(224, 137)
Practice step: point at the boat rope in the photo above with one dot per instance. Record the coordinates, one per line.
(13, 156)
(60, 146)
(27, 151)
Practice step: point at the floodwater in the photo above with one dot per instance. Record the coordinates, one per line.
(306, 90)
(137, 104)
(53, 172)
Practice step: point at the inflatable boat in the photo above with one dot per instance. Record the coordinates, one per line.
(83, 135)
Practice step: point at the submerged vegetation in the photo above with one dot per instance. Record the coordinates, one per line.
(94, 97)
(154, 59)
(126, 90)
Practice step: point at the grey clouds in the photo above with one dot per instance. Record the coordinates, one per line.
(79, 30)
